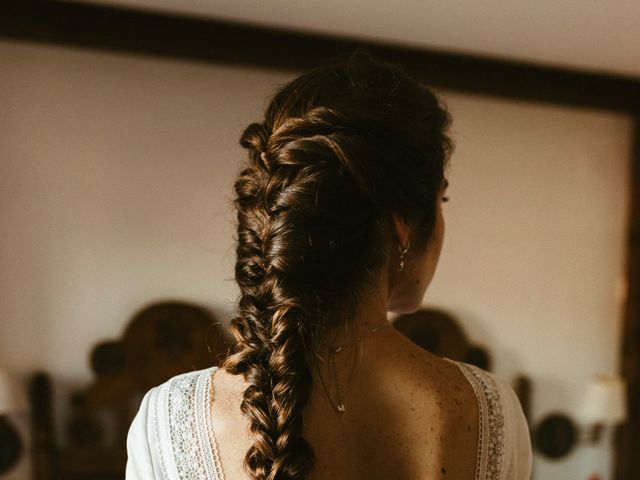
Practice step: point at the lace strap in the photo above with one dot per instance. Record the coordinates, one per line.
(491, 422)
(189, 426)
(215, 454)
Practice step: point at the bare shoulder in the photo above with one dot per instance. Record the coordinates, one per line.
(229, 425)
(227, 393)
(451, 411)
(444, 379)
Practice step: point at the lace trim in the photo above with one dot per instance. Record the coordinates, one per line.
(156, 425)
(214, 444)
(491, 431)
(202, 422)
(184, 426)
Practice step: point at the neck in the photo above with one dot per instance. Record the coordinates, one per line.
(370, 314)
(367, 337)
(371, 347)
(347, 362)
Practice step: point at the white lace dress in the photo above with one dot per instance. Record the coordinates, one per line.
(171, 437)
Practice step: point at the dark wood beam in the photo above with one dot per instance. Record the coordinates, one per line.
(627, 464)
(206, 40)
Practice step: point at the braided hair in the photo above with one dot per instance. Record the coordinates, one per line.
(340, 148)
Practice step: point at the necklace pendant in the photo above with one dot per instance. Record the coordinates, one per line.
(341, 408)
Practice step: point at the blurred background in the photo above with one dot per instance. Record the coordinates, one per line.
(119, 144)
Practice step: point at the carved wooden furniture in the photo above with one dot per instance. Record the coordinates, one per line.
(10, 445)
(162, 340)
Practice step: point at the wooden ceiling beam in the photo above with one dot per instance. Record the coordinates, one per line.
(208, 40)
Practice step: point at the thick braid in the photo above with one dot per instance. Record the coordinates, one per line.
(276, 308)
(269, 328)
(340, 148)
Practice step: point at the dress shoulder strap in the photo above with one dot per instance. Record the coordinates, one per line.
(182, 424)
(504, 446)
(491, 421)
(171, 436)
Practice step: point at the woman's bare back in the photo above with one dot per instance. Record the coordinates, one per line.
(410, 415)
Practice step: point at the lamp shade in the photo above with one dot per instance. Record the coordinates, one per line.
(11, 395)
(605, 401)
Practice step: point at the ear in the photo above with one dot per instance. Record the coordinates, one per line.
(401, 228)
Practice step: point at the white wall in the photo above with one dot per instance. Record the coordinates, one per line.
(115, 191)
(534, 253)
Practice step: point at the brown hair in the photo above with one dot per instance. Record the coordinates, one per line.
(340, 148)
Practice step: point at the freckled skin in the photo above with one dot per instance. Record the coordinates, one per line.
(410, 414)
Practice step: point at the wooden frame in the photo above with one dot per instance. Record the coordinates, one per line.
(161, 340)
(195, 39)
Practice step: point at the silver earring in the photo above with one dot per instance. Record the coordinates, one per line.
(402, 253)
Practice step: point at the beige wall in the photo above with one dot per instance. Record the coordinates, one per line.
(534, 252)
(115, 192)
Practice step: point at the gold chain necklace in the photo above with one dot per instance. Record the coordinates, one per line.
(334, 349)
